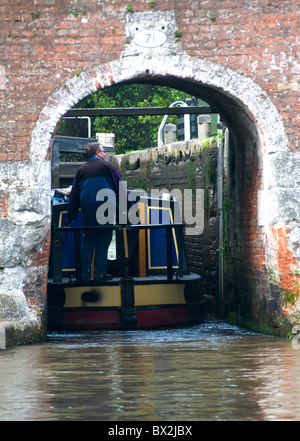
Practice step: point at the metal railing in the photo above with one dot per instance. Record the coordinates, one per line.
(58, 242)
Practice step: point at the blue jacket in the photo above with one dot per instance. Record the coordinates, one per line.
(94, 175)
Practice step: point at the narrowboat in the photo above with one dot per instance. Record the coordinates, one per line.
(151, 284)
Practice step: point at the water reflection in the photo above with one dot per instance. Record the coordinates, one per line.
(209, 372)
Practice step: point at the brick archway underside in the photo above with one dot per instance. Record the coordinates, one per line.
(230, 93)
(256, 128)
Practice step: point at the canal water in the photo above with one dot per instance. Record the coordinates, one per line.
(211, 372)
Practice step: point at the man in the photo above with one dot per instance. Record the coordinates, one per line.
(96, 174)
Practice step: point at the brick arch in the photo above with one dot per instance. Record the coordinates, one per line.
(257, 131)
(202, 73)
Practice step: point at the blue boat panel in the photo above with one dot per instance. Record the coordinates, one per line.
(157, 247)
(68, 250)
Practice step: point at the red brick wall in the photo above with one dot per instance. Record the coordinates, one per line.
(259, 39)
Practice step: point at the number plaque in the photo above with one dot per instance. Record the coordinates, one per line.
(150, 38)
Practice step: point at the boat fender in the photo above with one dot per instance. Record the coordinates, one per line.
(92, 296)
(129, 319)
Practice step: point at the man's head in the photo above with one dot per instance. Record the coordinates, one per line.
(95, 149)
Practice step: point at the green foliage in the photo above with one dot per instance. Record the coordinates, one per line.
(132, 133)
(290, 298)
(75, 12)
(178, 34)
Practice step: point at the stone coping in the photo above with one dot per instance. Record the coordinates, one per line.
(19, 333)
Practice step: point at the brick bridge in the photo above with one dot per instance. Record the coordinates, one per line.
(241, 57)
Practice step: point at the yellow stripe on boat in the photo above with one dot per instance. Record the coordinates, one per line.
(159, 294)
(108, 296)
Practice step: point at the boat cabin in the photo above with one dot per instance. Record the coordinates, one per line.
(151, 284)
